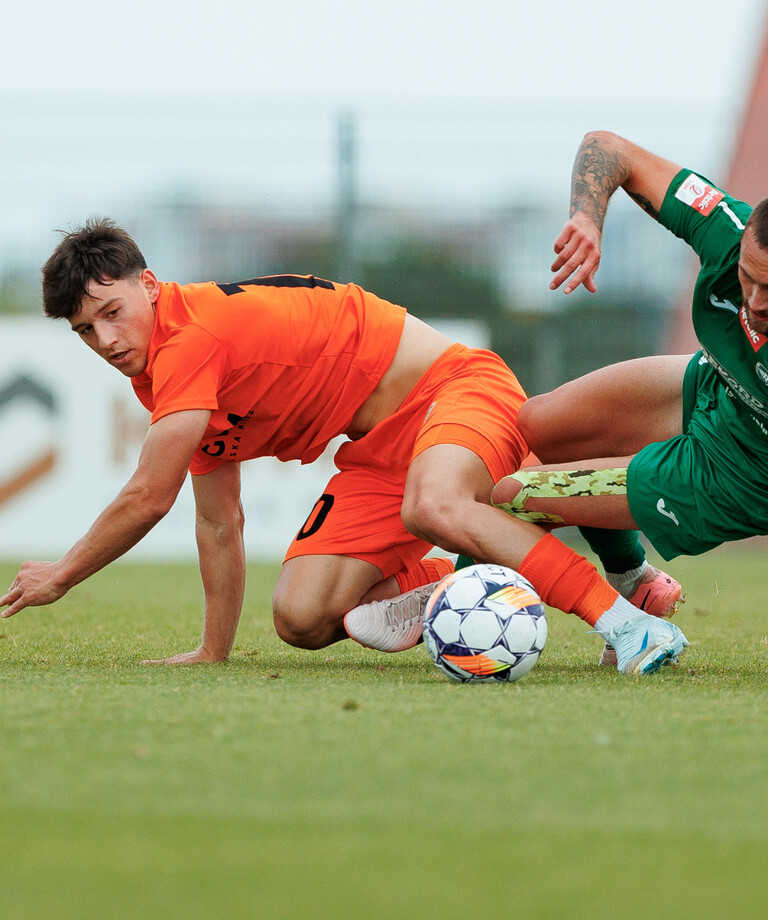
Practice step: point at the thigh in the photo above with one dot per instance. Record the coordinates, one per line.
(448, 473)
(469, 439)
(345, 553)
(323, 586)
(312, 595)
(477, 409)
(359, 516)
(614, 411)
(447, 501)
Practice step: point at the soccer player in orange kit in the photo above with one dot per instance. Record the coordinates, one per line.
(279, 366)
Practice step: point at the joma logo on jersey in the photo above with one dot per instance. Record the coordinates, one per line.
(661, 507)
(755, 339)
(696, 193)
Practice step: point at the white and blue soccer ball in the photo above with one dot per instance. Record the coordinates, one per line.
(484, 623)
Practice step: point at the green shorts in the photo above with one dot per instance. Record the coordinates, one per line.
(696, 491)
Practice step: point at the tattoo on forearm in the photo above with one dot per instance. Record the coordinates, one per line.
(597, 173)
(644, 204)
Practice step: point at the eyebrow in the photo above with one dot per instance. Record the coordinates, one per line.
(102, 308)
(760, 284)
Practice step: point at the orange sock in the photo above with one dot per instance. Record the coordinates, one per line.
(427, 571)
(564, 579)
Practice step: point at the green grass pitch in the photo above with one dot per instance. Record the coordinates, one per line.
(351, 784)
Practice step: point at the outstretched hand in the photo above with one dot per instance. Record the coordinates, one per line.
(578, 255)
(34, 586)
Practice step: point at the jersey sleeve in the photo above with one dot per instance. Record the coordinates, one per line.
(705, 217)
(143, 390)
(188, 371)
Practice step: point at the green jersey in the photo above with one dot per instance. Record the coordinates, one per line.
(705, 487)
(712, 223)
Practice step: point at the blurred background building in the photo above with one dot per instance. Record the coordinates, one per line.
(449, 207)
(451, 211)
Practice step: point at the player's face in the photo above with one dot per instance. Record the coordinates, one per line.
(753, 277)
(116, 320)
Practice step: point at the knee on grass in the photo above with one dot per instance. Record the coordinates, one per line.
(300, 620)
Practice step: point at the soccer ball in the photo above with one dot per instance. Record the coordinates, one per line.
(484, 623)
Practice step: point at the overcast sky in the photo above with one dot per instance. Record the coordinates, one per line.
(361, 49)
(470, 103)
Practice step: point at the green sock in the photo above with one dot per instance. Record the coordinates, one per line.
(462, 562)
(619, 550)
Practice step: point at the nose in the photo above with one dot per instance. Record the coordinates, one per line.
(105, 336)
(758, 299)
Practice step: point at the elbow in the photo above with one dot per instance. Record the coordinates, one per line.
(233, 529)
(154, 504)
(600, 138)
(224, 529)
(609, 145)
(156, 509)
(613, 152)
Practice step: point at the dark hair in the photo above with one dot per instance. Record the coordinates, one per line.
(758, 223)
(99, 251)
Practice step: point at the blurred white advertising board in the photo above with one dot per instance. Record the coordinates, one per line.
(70, 434)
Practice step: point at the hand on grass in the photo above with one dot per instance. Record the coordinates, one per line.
(200, 655)
(35, 586)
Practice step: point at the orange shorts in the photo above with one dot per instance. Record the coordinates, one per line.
(467, 397)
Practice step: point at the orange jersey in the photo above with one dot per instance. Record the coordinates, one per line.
(282, 362)
(469, 398)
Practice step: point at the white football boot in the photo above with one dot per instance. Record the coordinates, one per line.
(392, 625)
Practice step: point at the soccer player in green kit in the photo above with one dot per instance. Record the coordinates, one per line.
(681, 441)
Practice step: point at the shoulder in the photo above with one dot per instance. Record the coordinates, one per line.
(705, 216)
(182, 343)
(186, 315)
(693, 196)
(189, 342)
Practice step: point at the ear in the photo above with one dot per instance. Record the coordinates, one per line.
(149, 279)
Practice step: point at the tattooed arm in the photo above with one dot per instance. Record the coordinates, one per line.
(604, 163)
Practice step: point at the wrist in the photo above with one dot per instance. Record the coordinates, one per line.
(588, 213)
(213, 653)
(63, 577)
